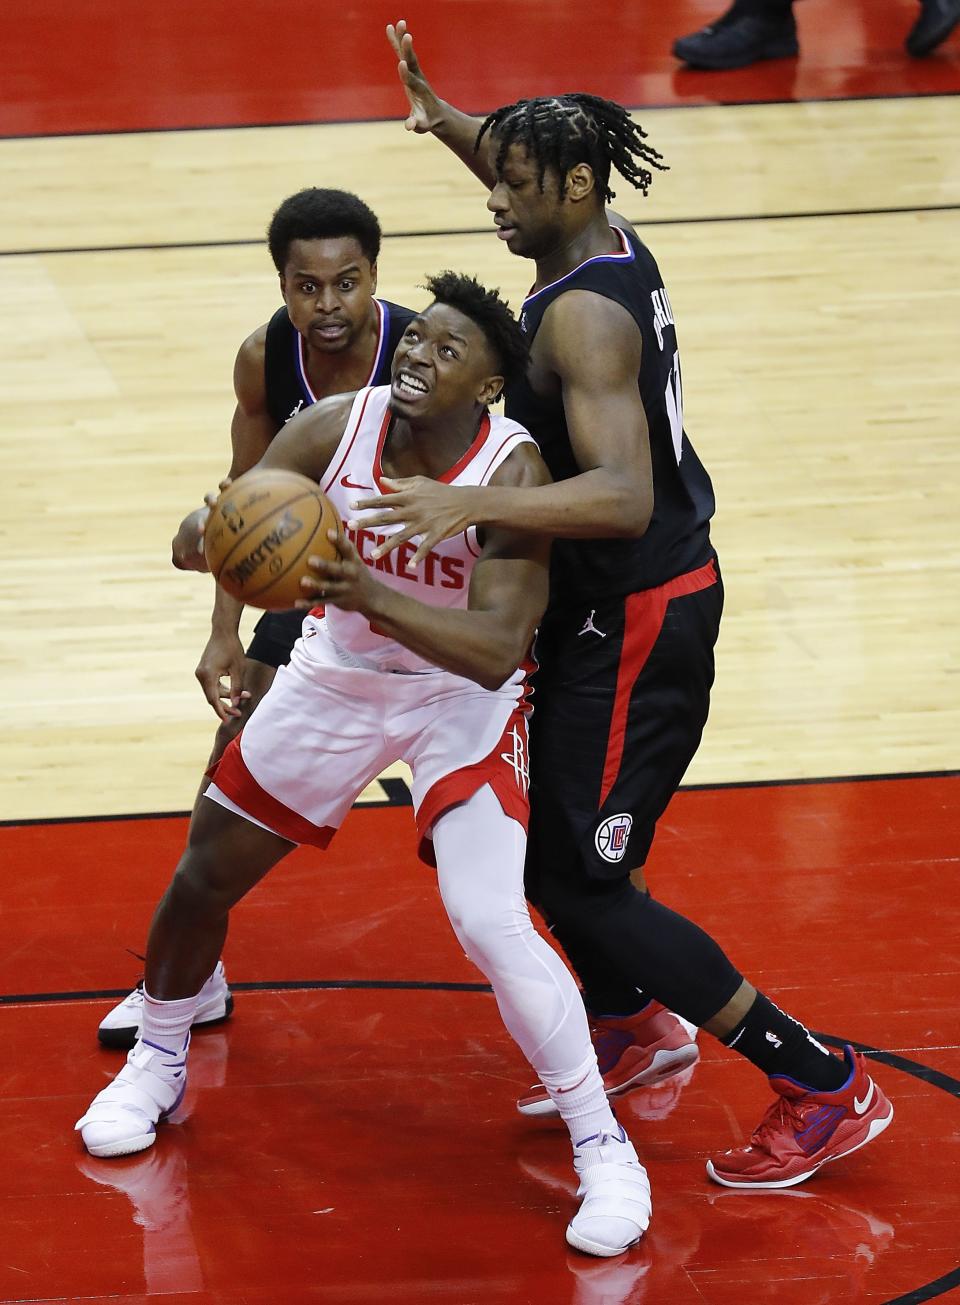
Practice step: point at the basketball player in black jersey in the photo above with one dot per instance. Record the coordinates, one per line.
(330, 336)
(626, 647)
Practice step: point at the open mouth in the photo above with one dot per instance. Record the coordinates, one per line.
(505, 230)
(407, 385)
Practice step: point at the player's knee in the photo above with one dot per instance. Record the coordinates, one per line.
(198, 888)
(584, 906)
(490, 932)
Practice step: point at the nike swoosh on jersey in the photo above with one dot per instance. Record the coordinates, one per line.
(347, 483)
(861, 1106)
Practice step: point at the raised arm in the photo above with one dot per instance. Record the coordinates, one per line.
(507, 597)
(429, 114)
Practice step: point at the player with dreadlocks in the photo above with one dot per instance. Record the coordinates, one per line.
(626, 645)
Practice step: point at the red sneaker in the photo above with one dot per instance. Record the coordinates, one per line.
(632, 1051)
(803, 1130)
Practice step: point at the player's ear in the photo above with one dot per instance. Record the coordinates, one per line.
(283, 285)
(490, 390)
(581, 183)
(373, 278)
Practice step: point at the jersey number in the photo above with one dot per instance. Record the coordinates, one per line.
(674, 401)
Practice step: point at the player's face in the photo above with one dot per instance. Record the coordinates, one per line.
(327, 286)
(443, 362)
(529, 221)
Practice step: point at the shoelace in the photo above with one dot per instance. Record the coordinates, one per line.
(784, 1112)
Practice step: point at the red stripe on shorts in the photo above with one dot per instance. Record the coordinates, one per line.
(506, 769)
(643, 621)
(231, 776)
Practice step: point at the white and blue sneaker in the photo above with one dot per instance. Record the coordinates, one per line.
(123, 1118)
(616, 1207)
(123, 1025)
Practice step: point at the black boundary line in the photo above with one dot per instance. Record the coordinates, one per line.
(935, 1078)
(247, 242)
(351, 122)
(398, 795)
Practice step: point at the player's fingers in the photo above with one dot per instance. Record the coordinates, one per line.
(394, 541)
(211, 691)
(374, 501)
(312, 588)
(422, 551)
(237, 693)
(345, 546)
(325, 568)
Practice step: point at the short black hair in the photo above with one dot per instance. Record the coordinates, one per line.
(316, 214)
(487, 310)
(560, 131)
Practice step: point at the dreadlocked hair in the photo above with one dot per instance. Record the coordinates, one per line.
(487, 310)
(563, 130)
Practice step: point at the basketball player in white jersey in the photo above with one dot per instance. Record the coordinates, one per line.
(425, 665)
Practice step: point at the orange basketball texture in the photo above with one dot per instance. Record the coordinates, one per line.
(260, 533)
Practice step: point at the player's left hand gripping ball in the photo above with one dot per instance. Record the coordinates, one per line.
(344, 581)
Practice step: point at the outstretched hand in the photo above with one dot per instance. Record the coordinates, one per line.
(426, 109)
(425, 508)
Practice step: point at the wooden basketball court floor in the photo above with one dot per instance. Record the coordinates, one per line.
(350, 1135)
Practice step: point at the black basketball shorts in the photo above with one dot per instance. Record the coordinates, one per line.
(619, 704)
(274, 636)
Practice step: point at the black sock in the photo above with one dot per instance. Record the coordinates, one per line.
(778, 1044)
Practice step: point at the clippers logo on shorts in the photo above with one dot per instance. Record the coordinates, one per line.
(610, 839)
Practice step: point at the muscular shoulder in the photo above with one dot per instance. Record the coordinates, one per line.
(308, 441)
(588, 334)
(325, 416)
(249, 376)
(523, 468)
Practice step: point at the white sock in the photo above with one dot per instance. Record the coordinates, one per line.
(583, 1106)
(166, 1024)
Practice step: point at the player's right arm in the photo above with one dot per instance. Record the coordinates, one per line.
(429, 114)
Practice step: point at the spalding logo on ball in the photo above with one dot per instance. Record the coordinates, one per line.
(260, 533)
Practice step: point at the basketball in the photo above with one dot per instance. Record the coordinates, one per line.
(260, 533)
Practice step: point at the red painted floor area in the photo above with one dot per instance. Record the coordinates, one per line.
(104, 66)
(356, 1144)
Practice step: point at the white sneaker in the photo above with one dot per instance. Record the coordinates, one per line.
(616, 1206)
(124, 1024)
(123, 1117)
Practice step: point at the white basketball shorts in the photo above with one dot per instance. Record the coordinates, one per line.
(326, 729)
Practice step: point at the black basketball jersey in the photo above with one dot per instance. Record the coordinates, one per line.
(678, 537)
(288, 390)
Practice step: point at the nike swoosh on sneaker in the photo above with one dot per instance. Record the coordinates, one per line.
(347, 483)
(861, 1106)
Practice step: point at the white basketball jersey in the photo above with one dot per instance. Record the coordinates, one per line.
(443, 578)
